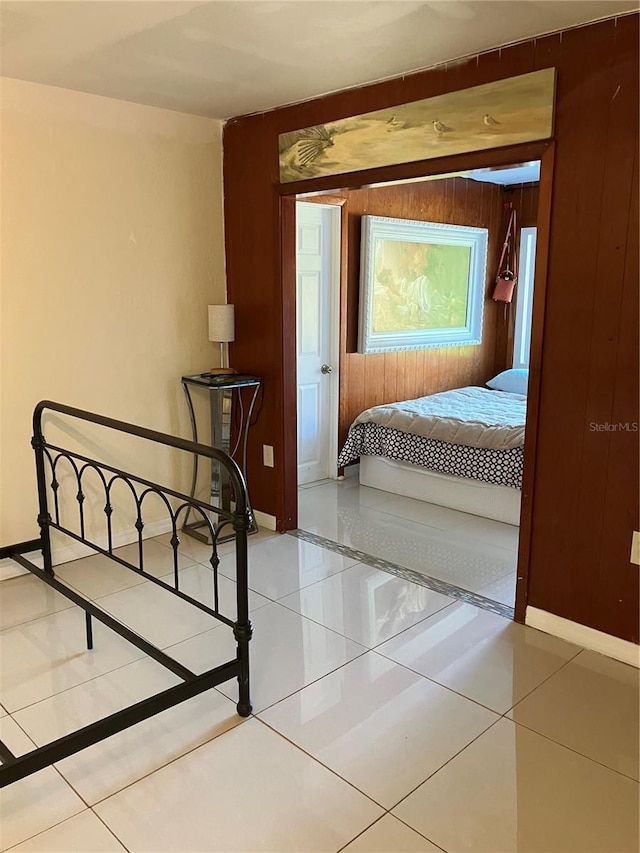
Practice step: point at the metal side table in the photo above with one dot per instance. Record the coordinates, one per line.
(226, 395)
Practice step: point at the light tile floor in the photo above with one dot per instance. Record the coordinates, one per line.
(387, 718)
(466, 551)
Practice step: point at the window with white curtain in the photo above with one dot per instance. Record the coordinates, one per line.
(524, 298)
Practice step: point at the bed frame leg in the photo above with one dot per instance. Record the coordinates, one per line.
(89, 627)
(243, 635)
(44, 519)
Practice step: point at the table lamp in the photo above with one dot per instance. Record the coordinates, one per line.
(221, 330)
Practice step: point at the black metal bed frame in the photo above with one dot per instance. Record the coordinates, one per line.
(16, 767)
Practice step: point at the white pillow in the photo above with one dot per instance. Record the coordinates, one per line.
(514, 381)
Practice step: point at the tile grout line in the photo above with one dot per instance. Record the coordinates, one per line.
(42, 831)
(108, 828)
(144, 657)
(573, 750)
(544, 681)
(362, 832)
(552, 740)
(162, 766)
(448, 761)
(394, 817)
(364, 652)
(220, 734)
(344, 636)
(326, 767)
(231, 728)
(430, 840)
(439, 684)
(37, 618)
(65, 781)
(93, 599)
(434, 584)
(387, 811)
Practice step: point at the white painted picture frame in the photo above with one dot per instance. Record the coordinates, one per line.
(401, 312)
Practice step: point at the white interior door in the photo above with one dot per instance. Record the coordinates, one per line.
(317, 275)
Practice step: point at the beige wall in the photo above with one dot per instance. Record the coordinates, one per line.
(112, 246)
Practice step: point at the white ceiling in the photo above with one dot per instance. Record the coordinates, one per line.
(527, 173)
(231, 57)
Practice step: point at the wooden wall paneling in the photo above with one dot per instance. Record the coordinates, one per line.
(401, 379)
(615, 203)
(496, 226)
(350, 319)
(525, 202)
(614, 207)
(391, 374)
(587, 61)
(492, 207)
(503, 311)
(544, 208)
(250, 274)
(565, 537)
(412, 388)
(621, 515)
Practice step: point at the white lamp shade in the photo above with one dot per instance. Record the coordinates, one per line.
(221, 323)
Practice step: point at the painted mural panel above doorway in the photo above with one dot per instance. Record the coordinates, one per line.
(494, 115)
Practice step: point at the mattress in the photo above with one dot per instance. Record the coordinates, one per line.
(500, 467)
(472, 416)
(484, 435)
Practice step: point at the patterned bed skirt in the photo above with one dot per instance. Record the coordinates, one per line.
(502, 467)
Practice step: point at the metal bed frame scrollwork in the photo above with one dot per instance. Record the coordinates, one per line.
(48, 456)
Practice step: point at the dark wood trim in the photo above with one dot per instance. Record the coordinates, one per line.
(288, 364)
(535, 370)
(493, 157)
(344, 298)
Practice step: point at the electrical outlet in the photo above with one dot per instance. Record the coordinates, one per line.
(267, 455)
(635, 548)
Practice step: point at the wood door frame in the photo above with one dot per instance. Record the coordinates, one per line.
(335, 308)
(543, 151)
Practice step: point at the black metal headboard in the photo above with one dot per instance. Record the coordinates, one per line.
(48, 460)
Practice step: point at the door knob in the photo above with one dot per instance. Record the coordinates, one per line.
(326, 368)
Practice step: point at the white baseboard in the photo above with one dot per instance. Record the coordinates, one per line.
(76, 550)
(582, 635)
(265, 520)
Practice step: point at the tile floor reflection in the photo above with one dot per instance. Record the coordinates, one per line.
(388, 718)
(466, 551)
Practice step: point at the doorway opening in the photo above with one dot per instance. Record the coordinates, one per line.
(475, 551)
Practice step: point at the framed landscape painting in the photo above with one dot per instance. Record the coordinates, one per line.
(421, 284)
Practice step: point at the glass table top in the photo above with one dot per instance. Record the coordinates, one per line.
(222, 380)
